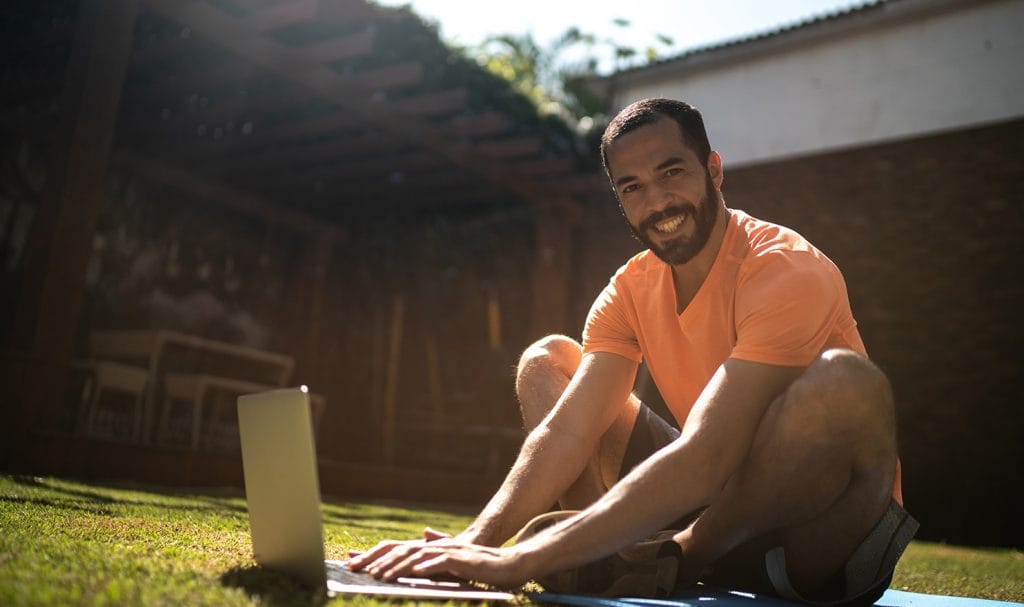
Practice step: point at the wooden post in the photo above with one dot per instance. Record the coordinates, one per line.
(552, 268)
(391, 385)
(60, 242)
(313, 277)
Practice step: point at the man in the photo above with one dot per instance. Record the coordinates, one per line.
(784, 474)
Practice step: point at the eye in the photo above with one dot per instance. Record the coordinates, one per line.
(632, 187)
(672, 172)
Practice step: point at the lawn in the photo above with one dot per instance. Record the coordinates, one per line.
(70, 543)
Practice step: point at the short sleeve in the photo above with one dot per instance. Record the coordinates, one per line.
(608, 328)
(785, 308)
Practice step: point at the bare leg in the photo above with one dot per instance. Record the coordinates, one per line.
(543, 374)
(819, 474)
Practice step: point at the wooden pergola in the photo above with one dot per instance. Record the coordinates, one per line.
(312, 115)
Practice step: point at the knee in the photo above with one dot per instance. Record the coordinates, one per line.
(554, 353)
(852, 372)
(848, 389)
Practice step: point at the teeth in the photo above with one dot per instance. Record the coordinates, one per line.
(670, 224)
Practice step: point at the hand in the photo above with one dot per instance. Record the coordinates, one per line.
(360, 560)
(440, 554)
(501, 567)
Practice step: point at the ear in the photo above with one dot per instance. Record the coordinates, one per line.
(715, 169)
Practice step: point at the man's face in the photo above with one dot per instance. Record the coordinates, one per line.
(669, 198)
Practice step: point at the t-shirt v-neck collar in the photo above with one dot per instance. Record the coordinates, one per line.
(731, 227)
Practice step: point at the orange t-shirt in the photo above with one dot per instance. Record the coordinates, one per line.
(770, 297)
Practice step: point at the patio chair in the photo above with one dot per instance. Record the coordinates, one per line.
(104, 380)
(209, 403)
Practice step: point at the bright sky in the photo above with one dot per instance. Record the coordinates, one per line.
(688, 22)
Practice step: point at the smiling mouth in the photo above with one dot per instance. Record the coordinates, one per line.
(667, 226)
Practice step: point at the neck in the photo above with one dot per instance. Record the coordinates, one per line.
(689, 276)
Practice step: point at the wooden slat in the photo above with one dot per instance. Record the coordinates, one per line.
(443, 102)
(373, 172)
(586, 184)
(303, 11)
(546, 166)
(225, 81)
(355, 11)
(279, 158)
(319, 125)
(283, 15)
(425, 180)
(378, 165)
(511, 148)
(158, 51)
(218, 193)
(477, 125)
(397, 75)
(186, 124)
(341, 47)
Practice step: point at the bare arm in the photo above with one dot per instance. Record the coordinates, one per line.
(552, 457)
(679, 479)
(555, 453)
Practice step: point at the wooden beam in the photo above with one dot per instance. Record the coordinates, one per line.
(430, 104)
(340, 48)
(476, 125)
(234, 35)
(284, 14)
(241, 147)
(280, 158)
(216, 193)
(324, 124)
(223, 87)
(330, 177)
(543, 166)
(60, 242)
(511, 148)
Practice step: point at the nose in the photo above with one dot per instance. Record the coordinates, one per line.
(657, 197)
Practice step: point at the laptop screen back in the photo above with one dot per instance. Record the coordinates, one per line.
(281, 486)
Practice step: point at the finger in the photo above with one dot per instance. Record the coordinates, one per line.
(449, 564)
(434, 565)
(372, 554)
(432, 535)
(354, 553)
(387, 562)
(405, 567)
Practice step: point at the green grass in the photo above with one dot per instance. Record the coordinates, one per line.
(71, 543)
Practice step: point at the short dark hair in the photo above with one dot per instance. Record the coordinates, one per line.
(649, 111)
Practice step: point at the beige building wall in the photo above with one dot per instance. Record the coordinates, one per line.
(904, 69)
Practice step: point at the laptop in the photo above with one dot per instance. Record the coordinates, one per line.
(282, 492)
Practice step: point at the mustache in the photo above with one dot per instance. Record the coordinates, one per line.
(666, 213)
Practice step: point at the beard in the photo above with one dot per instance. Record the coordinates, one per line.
(681, 249)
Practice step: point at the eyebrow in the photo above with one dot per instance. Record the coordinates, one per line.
(664, 164)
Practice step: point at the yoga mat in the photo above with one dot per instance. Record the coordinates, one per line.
(721, 598)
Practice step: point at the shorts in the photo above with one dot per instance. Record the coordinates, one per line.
(865, 577)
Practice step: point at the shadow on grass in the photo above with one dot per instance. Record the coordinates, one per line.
(209, 503)
(270, 587)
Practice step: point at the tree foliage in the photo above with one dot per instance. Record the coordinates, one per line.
(555, 76)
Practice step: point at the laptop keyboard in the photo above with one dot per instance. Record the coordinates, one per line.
(339, 572)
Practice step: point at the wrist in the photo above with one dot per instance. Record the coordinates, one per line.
(478, 535)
